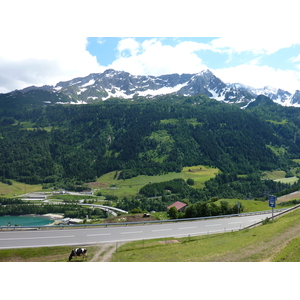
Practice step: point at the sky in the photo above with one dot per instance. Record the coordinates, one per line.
(45, 42)
(254, 61)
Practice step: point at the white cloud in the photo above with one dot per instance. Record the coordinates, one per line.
(128, 44)
(260, 76)
(153, 58)
(39, 60)
(256, 44)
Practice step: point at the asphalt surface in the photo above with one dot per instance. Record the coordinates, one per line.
(93, 235)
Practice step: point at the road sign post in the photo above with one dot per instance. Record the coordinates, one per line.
(272, 203)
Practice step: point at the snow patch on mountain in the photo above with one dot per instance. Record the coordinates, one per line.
(112, 83)
(91, 82)
(161, 91)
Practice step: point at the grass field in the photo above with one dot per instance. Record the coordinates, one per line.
(18, 188)
(130, 187)
(290, 180)
(42, 254)
(273, 175)
(279, 176)
(276, 241)
(249, 205)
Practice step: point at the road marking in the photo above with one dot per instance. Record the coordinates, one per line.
(187, 227)
(38, 238)
(235, 223)
(213, 225)
(161, 229)
(131, 232)
(96, 234)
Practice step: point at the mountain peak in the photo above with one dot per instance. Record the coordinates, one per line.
(121, 84)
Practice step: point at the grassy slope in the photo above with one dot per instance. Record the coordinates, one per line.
(276, 241)
(131, 187)
(279, 176)
(42, 254)
(18, 188)
(249, 205)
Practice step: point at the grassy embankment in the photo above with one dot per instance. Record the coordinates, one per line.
(42, 254)
(276, 241)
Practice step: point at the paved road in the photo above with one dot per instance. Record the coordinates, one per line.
(86, 236)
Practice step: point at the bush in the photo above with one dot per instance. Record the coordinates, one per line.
(266, 221)
(173, 212)
(111, 197)
(137, 210)
(190, 181)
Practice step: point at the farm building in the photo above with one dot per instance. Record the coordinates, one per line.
(180, 206)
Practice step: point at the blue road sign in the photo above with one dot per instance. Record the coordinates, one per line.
(272, 201)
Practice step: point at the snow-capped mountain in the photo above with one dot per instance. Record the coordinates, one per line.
(120, 84)
(279, 96)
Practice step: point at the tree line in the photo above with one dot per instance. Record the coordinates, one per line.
(16, 207)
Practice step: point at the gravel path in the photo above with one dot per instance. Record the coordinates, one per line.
(105, 252)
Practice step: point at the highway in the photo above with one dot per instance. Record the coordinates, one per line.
(92, 235)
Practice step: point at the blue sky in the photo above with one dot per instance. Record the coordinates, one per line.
(256, 43)
(253, 61)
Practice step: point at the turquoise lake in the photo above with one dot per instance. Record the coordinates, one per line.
(24, 221)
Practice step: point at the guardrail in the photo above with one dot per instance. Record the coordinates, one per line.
(144, 222)
(277, 215)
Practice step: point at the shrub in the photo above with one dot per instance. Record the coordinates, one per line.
(173, 212)
(190, 181)
(137, 210)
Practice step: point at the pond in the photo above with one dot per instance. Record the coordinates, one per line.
(24, 221)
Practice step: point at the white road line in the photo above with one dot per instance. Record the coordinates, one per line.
(188, 227)
(38, 238)
(213, 225)
(96, 234)
(161, 229)
(131, 232)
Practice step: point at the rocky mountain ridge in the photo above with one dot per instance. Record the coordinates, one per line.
(120, 84)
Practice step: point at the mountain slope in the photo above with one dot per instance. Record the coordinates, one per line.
(80, 143)
(119, 84)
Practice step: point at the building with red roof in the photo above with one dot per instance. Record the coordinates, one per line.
(180, 206)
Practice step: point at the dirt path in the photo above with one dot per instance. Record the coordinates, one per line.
(105, 252)
(292, 196)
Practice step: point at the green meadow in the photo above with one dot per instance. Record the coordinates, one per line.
(279, 176)
(130, 187)
(248, 205)
(18, 188)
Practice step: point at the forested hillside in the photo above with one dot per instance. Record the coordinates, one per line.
(67, 145)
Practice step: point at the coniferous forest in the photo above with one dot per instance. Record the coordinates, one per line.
(68, 145)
